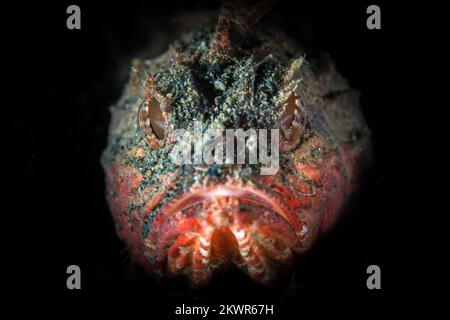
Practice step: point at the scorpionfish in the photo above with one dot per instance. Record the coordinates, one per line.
(194, 220)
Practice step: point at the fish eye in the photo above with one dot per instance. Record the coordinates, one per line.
(151, 118)
(288, 111)
(290, 126)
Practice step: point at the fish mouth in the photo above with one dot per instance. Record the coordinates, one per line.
(244, 194)
(210, 226)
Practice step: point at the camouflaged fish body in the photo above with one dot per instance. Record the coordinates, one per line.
(193, 219)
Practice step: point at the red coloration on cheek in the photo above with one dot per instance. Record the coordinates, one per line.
(123, 181)
(330, 197)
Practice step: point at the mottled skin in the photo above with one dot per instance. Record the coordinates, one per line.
(193, 219)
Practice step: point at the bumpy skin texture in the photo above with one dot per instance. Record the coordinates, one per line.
(193, 219)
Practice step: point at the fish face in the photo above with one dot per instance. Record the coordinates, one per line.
(196, 214)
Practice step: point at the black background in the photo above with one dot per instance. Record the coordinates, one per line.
(78, 74)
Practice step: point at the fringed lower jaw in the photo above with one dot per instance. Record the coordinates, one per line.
(208, 227)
